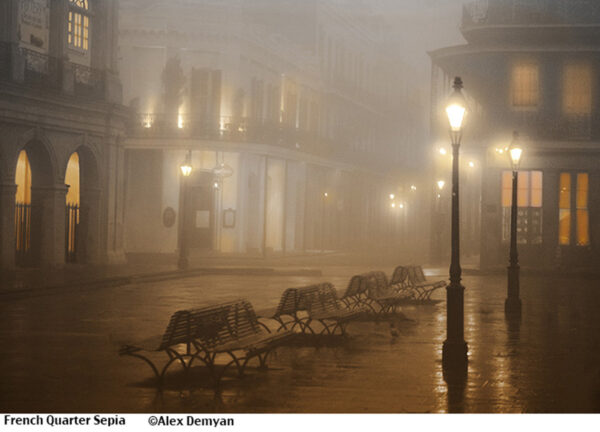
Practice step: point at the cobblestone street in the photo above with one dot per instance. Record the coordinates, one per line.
(59, 352)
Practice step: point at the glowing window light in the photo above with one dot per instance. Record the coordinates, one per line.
(147, 122)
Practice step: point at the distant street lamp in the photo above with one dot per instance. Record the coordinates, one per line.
(512, 305)
(186, 170)
(441, 184)
(454, 352)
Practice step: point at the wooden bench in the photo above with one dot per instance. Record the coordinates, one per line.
(383, 294)
(291, 312)
(323, 307)
(422, 288)
(355, 295)
(203, 334)
(242, 338)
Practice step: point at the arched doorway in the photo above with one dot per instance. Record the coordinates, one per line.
(23, 256)
(83, 230)
(72, 176)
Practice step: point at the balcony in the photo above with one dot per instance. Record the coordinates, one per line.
(544, 19)
(240, 130)
(49, 74)
(550, 128)
(227, 129)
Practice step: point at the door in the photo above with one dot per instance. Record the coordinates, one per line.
(200, 218)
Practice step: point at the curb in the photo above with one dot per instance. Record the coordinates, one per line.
(116, 281)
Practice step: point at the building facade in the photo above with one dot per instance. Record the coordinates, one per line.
(530, 67)
(300, 127)
(61, 131)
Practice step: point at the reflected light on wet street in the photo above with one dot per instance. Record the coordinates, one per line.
(60, 352)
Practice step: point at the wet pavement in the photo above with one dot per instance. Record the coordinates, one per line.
(59, 352)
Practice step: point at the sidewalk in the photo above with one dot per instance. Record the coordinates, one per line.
(142, 268)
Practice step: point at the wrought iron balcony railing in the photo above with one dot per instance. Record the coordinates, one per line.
(46, 72)
(253, 131)
(42, 70)
(566, 127)
(530, 12)
(88, 82)
(235, 129)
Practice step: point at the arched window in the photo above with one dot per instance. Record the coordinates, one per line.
(73, 196)
(23, 210)
(23, 179)
(72, 180)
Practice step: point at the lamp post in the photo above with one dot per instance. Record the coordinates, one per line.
(512, 305)
(454, 352)
(186, 171)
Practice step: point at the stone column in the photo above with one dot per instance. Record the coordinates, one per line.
(7, 225)
(48, 220)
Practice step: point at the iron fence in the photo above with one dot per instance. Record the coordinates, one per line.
(71, 225)
(23, 234)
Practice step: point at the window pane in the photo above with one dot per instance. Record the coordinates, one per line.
(525, 85)
(564, 227)
(577, 89)
(582, 191)
(523, 189)
(583, 228)
(536, 189)
(535, 230)
(523, 225)
(564, 200)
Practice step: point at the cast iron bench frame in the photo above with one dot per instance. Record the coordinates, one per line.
(422, 287)
(225, 328)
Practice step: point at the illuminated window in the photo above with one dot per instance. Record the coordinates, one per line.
(565, 205)
(583, 217)
(78, 29)
(529, 206)
(577, 89)
(22, 207)
(72, 180)
(23, 179)
(564, 210)
(525, 85)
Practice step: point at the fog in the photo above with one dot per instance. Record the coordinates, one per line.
(327, 97)
(398, 199)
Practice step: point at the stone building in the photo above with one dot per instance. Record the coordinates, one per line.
(61, 133)
(299, 121)
(531, 67)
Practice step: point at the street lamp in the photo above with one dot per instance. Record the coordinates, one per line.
(454, 352)
(512, 305)
(186, 170)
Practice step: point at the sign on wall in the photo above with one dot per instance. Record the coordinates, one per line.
(34, 24)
